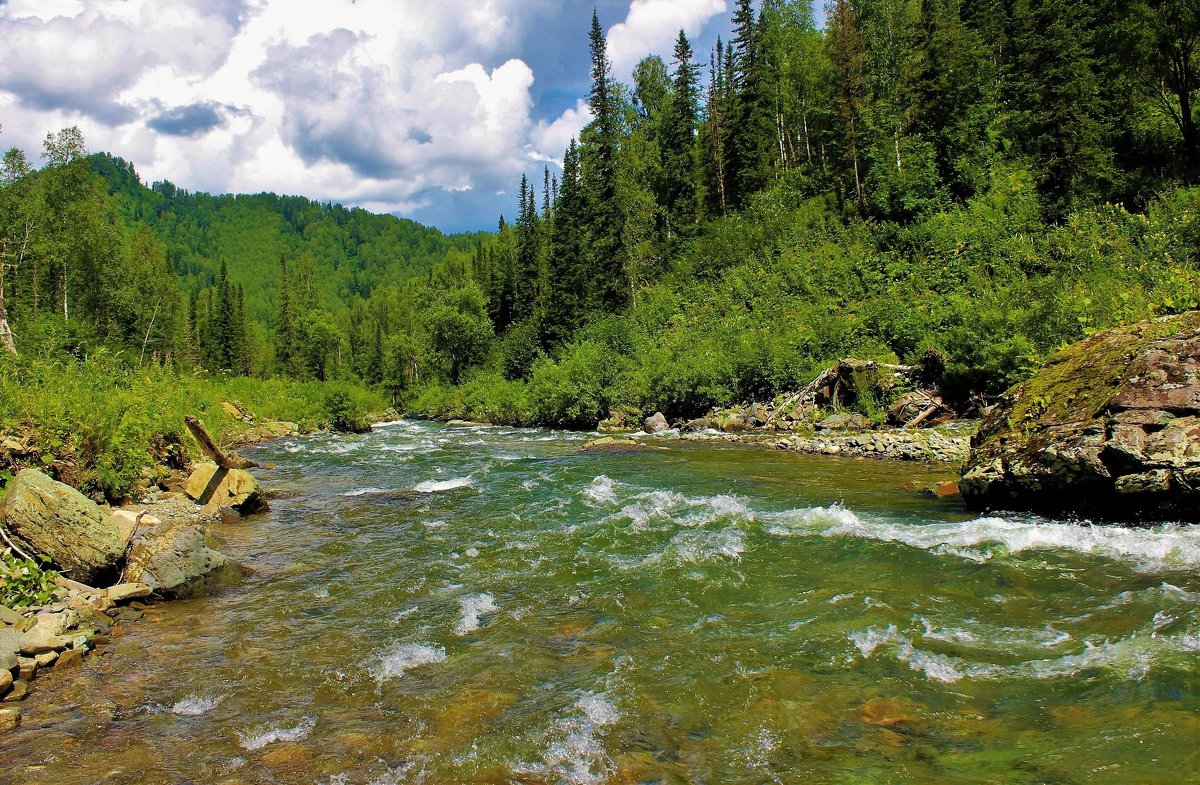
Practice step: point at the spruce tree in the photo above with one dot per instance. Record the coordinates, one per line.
(610, 287)
(754, 138)
(678, 144)
(285, 327)
(568, 275)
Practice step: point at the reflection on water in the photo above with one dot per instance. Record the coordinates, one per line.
(491, 605)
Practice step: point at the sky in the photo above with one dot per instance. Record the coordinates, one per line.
(428, 109)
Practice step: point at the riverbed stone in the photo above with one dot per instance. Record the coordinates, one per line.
(174, 560)
(39, 640)
(8, 660)
(10, 719)
(844, 422)
(124, 592)
(45, 659)
(18, 692)
(47, 517)
(215, 487)
(71, 658)
(9, 616)
(1107, 428)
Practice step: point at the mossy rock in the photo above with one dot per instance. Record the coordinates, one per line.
(1107, 428)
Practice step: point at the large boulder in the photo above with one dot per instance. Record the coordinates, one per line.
(53, 519)
(1107, 428)
(656, 423)
(174, 561)
(216, 487)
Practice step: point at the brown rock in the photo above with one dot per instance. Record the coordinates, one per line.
(945, 490)
(10, 719)
(71, 658)
(215, 487)
(19, 691)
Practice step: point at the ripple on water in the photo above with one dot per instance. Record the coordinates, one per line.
(1161, 549)
(1131, 657)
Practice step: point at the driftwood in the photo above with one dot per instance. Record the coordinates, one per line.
(838, 385)
(211, 450)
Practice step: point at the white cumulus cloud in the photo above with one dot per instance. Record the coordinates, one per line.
(652, 26)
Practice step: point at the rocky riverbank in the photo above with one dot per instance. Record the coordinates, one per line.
(104, 564)
(841, 434)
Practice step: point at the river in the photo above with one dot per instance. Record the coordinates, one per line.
(492, 605)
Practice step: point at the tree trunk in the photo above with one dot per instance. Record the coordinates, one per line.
(6, 336)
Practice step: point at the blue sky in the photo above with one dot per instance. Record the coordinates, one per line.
(427, 110)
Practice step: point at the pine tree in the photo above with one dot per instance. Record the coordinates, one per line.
(1055, 85)
(527, 238)
(285, 327)
(568, 276)
(847, 52)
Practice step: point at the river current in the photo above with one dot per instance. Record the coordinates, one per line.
(492, 605)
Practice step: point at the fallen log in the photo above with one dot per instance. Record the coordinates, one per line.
(211, 450)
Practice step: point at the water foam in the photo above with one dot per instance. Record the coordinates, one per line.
(438, 486)
(365, 491)
(262, 736)
(1166, 548)
(601, 491)
(701, 545)
(191, 706)
(400, 658)
(577, 756)
(472, 608)
(1132, 657)
(676, 508)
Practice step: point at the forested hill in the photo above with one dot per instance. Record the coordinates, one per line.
(986, 181)
(352, 251)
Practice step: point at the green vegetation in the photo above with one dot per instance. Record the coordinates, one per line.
(23, 582)
(986, 180)
(98, 423)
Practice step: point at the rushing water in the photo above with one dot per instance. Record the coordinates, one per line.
(436, 605)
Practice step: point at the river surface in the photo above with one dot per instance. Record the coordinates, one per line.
(492, 605)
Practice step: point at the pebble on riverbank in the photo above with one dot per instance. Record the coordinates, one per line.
(55, 636)
(949, 444)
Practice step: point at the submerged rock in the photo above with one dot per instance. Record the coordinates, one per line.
(1107, 428)
(47, 517)
(173, 560)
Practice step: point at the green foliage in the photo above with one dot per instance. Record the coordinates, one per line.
(98, 423)
(24, 582)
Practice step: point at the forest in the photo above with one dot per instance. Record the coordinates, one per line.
(986, 180)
